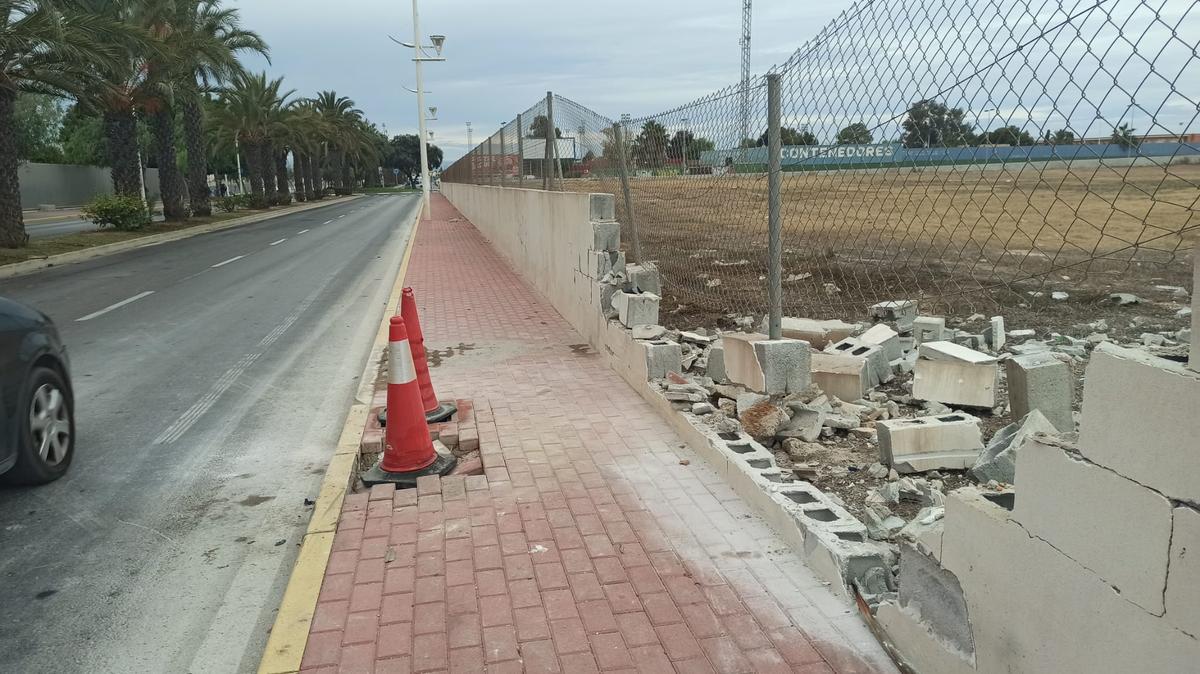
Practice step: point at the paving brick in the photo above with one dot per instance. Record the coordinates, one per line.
(502, 573)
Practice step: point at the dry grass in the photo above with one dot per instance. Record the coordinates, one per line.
(950, 234)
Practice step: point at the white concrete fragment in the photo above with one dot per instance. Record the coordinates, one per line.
(1039, 381)
(816, 333)
(1110, 525)
(884, 337)
(785, 365)
(952, 441)
(1141, 418)
(953, 380)
(1182, 598)
(929, 329)
(639, 309)
(845, 377)
(741, 363)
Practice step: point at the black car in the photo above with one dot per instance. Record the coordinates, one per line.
(37, 420)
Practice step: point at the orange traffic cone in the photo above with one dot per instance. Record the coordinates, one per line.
(408, 450)
(434, 411)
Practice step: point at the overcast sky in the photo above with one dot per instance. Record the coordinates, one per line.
(645, 57)
(614, 56)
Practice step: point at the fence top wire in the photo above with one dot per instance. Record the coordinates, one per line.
(965, 153)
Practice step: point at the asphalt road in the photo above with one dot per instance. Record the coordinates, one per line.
(212, 378)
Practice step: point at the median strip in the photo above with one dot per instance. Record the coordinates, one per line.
(112, 307)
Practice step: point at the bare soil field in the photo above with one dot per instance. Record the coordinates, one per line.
(960, 239)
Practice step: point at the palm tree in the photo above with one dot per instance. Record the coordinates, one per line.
(45, 47)
(207, 39)
(340, 114)
(246, 113)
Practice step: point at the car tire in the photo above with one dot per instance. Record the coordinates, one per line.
(46, 433)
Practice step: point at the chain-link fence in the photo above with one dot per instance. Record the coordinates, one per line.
(974, 155)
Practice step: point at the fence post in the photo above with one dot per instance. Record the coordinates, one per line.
(520, 151)
(774, 206)
(619, 139)
(491, 163)
(503, 157)
(552, 140)
(547, 154)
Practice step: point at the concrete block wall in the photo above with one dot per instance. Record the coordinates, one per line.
(1090, 564)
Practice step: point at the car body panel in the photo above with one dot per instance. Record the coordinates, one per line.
(26, 336)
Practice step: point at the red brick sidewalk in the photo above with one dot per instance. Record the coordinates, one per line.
(597, 541)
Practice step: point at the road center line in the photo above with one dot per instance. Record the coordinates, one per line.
(301, 232)
(276, 243)
(232, 259)
(118, 305)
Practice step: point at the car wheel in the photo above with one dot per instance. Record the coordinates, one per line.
(46, 443)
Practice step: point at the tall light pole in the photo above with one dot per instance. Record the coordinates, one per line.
(419, 57)
(470, 145)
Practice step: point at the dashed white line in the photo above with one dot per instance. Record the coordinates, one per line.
(118, 305)
(301, 232)
(232, 259)
(341, 216)
(327, 222)
(276, 243)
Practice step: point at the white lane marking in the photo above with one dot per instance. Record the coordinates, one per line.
(227, 380)
(341, 216)
(276, 243)
(232, 259)
(301, 232)
(327, 222)
(118, 305)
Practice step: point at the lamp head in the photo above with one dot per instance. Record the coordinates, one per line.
(438, 41)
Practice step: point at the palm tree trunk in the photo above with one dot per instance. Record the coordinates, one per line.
(267, 162)
(120, 129)
(316, 191)
(281, 176)
(347, 176)
(12, 221)
(298, 175)
(252, 156)
(197, 169)
(170, 181)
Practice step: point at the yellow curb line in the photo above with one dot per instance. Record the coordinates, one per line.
(289, 635)
(29, 266)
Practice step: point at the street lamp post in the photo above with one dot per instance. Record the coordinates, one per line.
(419, 57)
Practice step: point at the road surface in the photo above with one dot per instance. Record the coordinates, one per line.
(212, 378)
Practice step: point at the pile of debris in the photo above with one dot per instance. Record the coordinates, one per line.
(897, 407)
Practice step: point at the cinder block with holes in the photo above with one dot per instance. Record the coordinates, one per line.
(879, 367)
(950, 441)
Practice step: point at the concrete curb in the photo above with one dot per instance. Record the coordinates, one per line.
(30, 266)
(289, 635)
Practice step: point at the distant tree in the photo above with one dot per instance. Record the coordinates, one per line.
(650, 146)
(609, 149)
(1125, 137)
(790, 136)
(1007, 135)
(931, 124)
(82, 138)
(694, 145)
(1061, 137)
(855, 134)
(540, 128)
(748, 143)
(37, 119)
(405, 154)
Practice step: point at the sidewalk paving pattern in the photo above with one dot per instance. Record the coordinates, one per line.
(596, 542)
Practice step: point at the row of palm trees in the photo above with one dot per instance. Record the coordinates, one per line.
(161, 59)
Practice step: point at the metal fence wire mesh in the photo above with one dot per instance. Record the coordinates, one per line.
(970, 154)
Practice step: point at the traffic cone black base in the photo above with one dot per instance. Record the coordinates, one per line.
(443, 464)
(443, 412)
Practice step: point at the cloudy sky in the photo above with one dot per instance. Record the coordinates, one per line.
(614, 56)
(1073, 64)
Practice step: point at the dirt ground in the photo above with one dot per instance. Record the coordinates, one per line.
(960, 240)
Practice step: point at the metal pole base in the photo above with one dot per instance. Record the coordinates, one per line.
(443, 464)
(443, 412)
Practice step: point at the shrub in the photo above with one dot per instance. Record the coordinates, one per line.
(119, 212)
(231, 203)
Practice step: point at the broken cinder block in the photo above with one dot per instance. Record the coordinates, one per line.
(605, 262)
(950, 441)
(663, 357)
(818, 334)
(955, 375)
(846, 377)
(880, 366)
(886, 338)
(643, 277)
(606, 236)
(1039, 381)
(639, 309)
(785, 365)
(929, 329)
(900, 313)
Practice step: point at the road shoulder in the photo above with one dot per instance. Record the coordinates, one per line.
(289, 635)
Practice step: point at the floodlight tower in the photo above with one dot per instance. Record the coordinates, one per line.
(745, 42)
